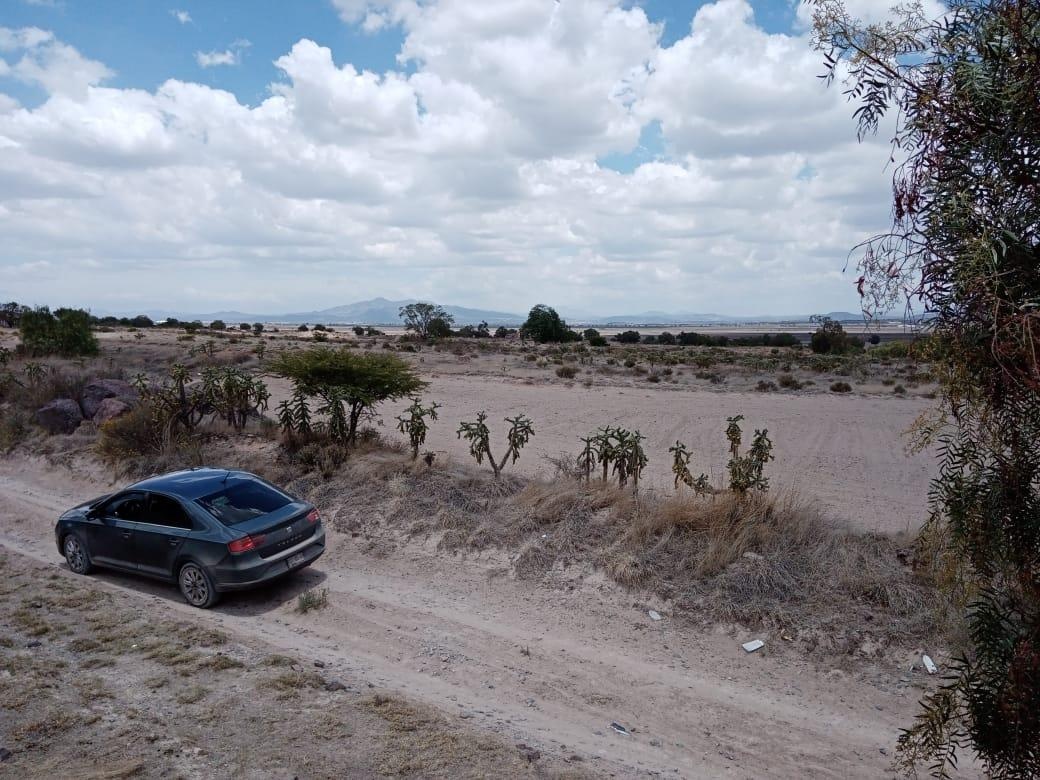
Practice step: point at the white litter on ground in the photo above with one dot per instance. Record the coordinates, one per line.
(929, 664)
(654, 614)
(753, 645)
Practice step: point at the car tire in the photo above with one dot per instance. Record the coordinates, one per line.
(76, 554)
(196, 586)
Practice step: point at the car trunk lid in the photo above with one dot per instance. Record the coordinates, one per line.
(279, 530)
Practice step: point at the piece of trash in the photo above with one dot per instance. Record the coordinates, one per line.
(619, 728)
(654, 614)
(753, 645)
(929, 664)
(785, 636)
(753, 556)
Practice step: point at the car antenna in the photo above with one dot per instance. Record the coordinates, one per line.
(227, 473)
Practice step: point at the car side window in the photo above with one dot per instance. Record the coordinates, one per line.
(129, 506)
(163, 510)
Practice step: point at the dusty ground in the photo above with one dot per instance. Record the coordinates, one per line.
(549, 669)
(450, 665)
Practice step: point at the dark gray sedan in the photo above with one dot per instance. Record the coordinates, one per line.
(208, 530)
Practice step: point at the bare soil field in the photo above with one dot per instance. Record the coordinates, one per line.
(474, 627)
(848, 453)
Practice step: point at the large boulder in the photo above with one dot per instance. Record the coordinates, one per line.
(97, 390)
(110, 409)
(61, 415)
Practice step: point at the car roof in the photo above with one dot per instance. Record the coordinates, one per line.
(191, 483)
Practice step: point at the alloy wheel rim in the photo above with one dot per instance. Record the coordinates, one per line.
(74, 553)
(193, 583)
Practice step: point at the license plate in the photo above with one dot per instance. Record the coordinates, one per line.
(296, 560)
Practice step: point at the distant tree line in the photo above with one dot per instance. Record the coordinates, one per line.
(684, 339)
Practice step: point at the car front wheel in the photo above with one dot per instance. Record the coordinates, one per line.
(196, 586)
(76, 555)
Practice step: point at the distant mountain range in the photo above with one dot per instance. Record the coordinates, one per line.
(381, 311)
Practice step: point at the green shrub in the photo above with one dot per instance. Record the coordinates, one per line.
(65, 332)
(566, 372)
(841, 387)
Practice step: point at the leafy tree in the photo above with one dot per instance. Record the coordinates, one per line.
(830, 337)
(593, 337)
(360, 381)
(413, 423)
(439, 328)
(302, 328)
(627, 337)
(258, 328)
(479, 438)
(544, 325)
(65, 332)
(358, 330)
(480, 331)
(502, 332)
(965, 244)
(11, 314)
(217, 325)
(244, 326)
(419, 316)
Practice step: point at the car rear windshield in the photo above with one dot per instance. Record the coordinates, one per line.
(243, 500)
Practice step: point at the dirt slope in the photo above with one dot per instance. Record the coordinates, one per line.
(549, 668)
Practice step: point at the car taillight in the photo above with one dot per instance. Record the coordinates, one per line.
(246, 543)
(313, 517)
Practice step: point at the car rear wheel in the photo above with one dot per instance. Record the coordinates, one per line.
(76, 555)
(196, 586)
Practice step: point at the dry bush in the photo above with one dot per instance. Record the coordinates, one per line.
(14, 428)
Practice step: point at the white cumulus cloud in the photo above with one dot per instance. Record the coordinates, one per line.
(232, 55)
(472, 173)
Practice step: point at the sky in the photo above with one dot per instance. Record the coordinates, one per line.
(600, 156)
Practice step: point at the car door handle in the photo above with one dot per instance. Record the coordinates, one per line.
(127, 534)
(174, 541)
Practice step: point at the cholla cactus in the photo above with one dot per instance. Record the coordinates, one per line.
(413, 423)
(479, 437)
(745, 472)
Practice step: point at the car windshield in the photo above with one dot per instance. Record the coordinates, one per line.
(243, 500)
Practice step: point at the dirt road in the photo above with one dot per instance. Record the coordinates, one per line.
(552, 668)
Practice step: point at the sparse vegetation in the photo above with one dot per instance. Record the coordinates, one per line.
(312, 600)
(479, 438)
(413, 424)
